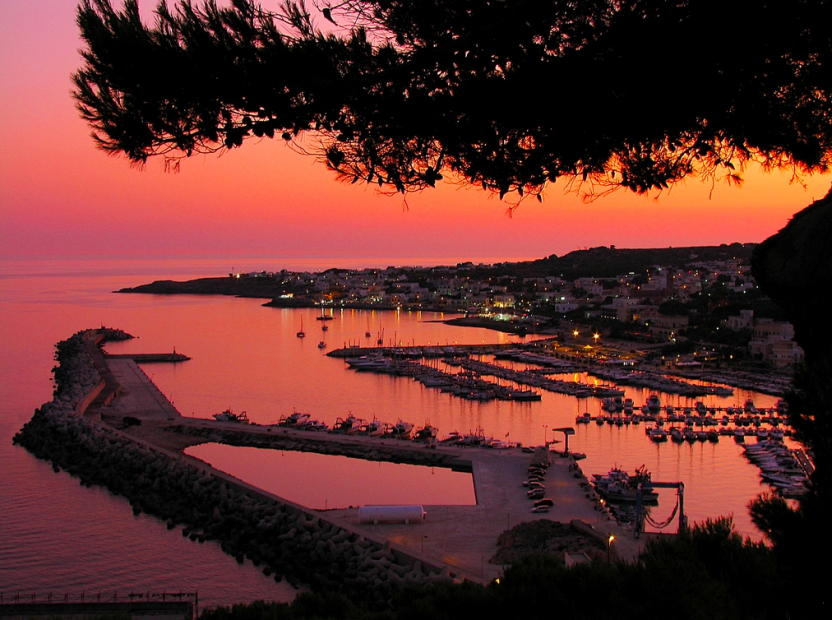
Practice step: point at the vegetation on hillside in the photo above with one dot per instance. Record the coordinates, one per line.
(708, 572)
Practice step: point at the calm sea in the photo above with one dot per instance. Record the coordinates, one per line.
(58, 536)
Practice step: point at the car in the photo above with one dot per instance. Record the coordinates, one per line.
(540, 509)
(546, 501)
(536, 493)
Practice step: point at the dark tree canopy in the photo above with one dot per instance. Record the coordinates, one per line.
(506, 94)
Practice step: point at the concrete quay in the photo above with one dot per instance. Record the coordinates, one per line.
(462, 537)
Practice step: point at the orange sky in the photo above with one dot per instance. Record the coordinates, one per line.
(62, 198)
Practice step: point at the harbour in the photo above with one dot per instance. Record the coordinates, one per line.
(246, 357)
(99, 400)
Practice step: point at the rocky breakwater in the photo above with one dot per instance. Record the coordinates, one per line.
(283, 538)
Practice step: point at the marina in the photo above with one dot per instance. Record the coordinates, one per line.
(248, 358)
(110, 395)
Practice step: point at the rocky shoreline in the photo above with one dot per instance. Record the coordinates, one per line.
(281, 537)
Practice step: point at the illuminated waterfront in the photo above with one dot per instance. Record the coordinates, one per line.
(246, 357)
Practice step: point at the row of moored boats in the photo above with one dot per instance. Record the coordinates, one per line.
(784, 469)
(468, 385)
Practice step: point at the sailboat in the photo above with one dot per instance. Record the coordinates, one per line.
(301, 333)
(367, 334)
(380, 340)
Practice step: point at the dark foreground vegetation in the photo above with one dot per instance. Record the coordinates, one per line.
(708, 572)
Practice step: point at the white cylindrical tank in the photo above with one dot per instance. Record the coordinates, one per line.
(391, 514)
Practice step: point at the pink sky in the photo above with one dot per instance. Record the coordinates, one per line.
(62, 198)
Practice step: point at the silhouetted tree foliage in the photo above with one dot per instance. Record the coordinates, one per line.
(505, 94)
(708, 572)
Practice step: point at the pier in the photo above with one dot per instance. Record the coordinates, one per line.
(134, 435)
(461, 537)
(150, 358)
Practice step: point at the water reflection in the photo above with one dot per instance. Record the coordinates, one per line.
(321, 481)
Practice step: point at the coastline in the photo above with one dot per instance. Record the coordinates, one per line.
(91, 430)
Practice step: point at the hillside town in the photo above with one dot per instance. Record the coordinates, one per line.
(691, 310)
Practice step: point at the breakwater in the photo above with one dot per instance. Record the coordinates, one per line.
(283, 538)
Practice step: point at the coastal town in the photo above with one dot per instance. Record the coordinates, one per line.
(692, 307)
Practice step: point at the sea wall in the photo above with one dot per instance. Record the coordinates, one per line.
(282, 538)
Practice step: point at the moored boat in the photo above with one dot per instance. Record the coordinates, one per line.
(230, 416)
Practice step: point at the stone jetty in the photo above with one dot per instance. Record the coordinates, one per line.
(282, 537)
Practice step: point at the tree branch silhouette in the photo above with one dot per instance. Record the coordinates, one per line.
(507, 95)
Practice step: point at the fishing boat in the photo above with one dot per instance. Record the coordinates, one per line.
(295, 419)
(402, 430)
(349, 426)
(426, 433)
(617, 486)
(375, 428)
(230, 416)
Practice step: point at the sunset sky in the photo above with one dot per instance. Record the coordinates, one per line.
(62, 198)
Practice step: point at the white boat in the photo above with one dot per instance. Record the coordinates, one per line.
(374, 428)
(315, 425)
(402, 429)
(230, 416)
(295, 419)
(426, 433)
(350, 426)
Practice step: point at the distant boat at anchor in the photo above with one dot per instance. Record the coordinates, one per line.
(301, 333)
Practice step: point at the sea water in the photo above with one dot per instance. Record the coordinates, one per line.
(56, 536)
